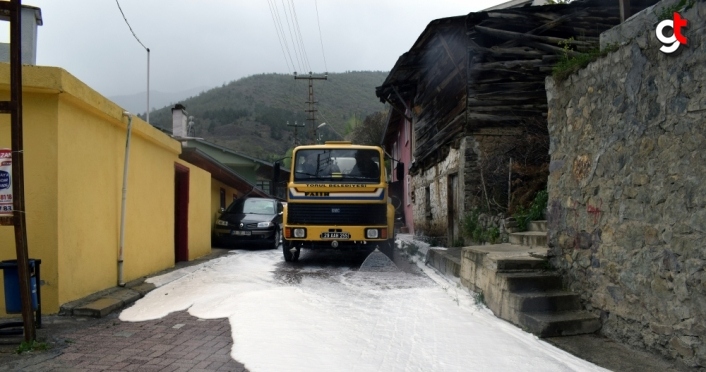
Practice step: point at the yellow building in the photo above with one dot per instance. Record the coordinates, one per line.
(74, 151)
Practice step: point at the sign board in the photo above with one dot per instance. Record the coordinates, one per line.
(5, 182)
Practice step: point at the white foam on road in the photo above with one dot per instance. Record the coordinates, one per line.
(334, 319)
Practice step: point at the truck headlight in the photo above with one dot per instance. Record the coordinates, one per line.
(221, 223)
(264, 224)
(372, 233)
(300, 233)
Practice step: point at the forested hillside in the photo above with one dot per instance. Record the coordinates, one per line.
(250, 115)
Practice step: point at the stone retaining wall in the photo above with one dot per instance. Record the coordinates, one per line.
(627, 188)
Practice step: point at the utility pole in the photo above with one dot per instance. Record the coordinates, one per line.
(295, 125)
(311, 102)
(14, 108)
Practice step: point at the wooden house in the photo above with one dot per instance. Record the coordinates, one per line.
(472, 90)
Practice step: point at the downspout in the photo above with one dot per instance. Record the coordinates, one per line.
(121, 282)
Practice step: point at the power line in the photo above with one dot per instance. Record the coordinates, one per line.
(320, 38)
(299, 34)
(147, 112)
(279, 38)
(294, 46)
(128, 26)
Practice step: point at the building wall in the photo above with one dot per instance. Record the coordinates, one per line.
(405, 154)
(74, 154)
(41, 181)
(430, 187)
(200, 225)
(216, 187)
(627, 205)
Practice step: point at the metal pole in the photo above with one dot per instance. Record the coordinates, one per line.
(624, 10)
(18, 204)
(148, 85)
(123, 202)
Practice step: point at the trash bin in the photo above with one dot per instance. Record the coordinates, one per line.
(13, 300)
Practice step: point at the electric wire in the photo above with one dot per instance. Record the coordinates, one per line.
(320, 37)
(283, 34)
(278, 37)
(294, 43)
(300, 39)
(128, 26)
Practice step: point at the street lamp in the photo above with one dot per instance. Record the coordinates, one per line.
(330, 127)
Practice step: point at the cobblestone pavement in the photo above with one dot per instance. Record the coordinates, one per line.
(178, 342)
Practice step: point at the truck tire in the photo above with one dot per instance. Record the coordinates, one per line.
(289, 256)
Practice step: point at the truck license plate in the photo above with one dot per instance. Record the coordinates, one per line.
(335, 235)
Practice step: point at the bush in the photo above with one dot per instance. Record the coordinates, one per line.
(535, 212)
(474, 229)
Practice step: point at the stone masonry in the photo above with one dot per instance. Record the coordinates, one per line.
(627, 187)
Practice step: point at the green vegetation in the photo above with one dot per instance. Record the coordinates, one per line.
(250, 115)
(33, 345)
(535, 212)
(568, 65)
(479, 299)
(473, 229)
(668, 12)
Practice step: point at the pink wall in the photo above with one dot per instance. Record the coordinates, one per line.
(400, 147)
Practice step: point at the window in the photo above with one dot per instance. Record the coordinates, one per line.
(263, 185)
(347, 165)
(407, 124)
(409, 190)
(223, 198)
(396, 156)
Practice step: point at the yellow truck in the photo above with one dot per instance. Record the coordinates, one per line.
(337, 198)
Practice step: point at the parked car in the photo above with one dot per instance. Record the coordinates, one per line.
(250, 221)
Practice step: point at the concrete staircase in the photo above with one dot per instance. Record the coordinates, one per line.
(518, 285)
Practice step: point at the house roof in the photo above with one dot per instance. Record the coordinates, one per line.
(487, 69)
(219, 171)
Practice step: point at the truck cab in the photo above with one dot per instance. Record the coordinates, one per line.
(337, 198)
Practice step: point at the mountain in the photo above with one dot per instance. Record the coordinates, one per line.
(137, 103)
(250, 115)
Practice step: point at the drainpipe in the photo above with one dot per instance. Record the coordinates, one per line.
(121, 282)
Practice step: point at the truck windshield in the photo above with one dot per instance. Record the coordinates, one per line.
(345, 165)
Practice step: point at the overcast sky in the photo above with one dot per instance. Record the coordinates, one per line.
(205, 43)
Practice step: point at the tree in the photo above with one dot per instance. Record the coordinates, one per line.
(370, 132)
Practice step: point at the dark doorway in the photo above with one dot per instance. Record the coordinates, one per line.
(454, 220)
(181, 213)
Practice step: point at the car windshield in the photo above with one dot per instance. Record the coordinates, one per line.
(253, 206)
(347, 165)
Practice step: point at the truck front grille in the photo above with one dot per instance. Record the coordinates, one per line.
(337, 214)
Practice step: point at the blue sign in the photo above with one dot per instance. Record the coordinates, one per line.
(5, 180)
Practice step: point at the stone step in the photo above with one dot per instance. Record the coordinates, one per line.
(565, 323)
(529, 238)
(521, 264)
(524, 282)
(538, 226)
(535, 302)
(445, 260)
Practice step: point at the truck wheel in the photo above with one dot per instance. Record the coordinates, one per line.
(290, 256)
(387, 247)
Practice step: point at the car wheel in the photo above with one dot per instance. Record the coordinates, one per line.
(277, 238)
